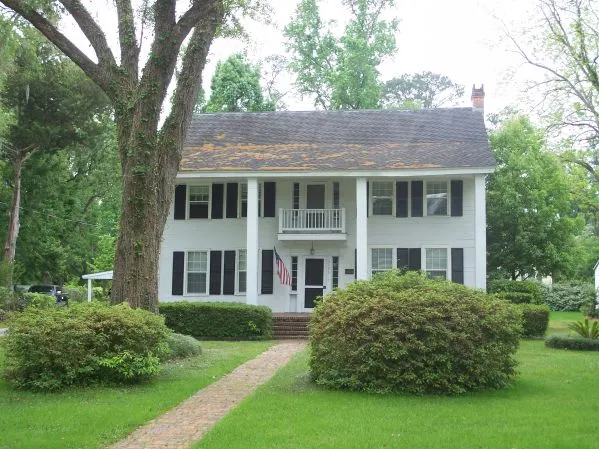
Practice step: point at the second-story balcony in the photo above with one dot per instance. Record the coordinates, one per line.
(312, 224)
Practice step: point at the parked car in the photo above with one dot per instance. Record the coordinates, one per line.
(52, 290)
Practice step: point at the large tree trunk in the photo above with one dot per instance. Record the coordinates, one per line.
(10, 244)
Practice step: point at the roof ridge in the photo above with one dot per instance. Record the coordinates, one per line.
(337, 111)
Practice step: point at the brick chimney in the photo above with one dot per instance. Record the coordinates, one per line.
(478, 97)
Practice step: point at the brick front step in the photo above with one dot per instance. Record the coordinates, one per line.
(291, 325)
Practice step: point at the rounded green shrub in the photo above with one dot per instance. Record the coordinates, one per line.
(412, 334)
(83, 343)
(181, 346)
(568, 296)
(517, 291)
(535, 319)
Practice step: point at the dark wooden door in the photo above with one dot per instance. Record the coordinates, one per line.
(313, 281)
(315, 200)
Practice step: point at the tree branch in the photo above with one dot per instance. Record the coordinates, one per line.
(91, 69)
(127, 39)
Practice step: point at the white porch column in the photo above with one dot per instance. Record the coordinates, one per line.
(480, 232)
(252, 243)
(89, 289)
(361, 229)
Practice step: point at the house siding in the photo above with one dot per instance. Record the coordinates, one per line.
(383, 231)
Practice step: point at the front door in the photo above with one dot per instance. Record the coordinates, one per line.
(314, 280)
(315, 200)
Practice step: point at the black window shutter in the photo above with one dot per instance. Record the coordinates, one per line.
(232, 200)
(178, 272)
(229, 273)
(215, 272)
(267, 271)
(457, 198)
(218, 192)
(417, 198)
(367, 198)
(414, 262)
(457, 265)
(403, 258)
(180, 200)
(296, 195)
(401, 199)
(270, 194)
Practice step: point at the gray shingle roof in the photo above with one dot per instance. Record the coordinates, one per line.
(337, 140)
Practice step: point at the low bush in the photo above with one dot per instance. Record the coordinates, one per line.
(576, 343)
(515, 297)
(535, 319)
(530, 288)
(9, 300)
(78, 293)
(412, 334)
(218, 320)
(39, 300)
(181, 346)
(568, 297)
(82, 343)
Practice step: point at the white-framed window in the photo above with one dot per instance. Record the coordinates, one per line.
(436, 262)
(437, 193)
(196, 272)
(241, 270)
(199, 201)
(243, 200)
(382, 260)
(382, 197)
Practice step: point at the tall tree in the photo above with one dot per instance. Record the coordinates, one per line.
(341, 72)
(530, 230)
(421, 90)
(235, 87)
(565, 51)
(150, 149)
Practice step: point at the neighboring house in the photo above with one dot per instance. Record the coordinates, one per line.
(340, 194)
(597, 279)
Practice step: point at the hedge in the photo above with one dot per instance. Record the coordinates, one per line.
(218, 320)
(412, 334)
(568, 297)
(530, 288)
(572, 342)
(535, 319)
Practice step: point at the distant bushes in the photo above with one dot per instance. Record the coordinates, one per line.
(412, 334)
(78, 293)
(83, 343)
(575, 343)
(568, 297)
(218, 320)
(518, 292)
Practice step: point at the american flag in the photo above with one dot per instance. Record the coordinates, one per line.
(282, 271)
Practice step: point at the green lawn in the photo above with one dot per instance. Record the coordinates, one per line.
(93, 417)
(552, 404)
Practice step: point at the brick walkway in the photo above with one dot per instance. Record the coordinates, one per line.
(188, 422)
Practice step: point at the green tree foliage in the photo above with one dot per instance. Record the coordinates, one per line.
(529, 227)
(70, 189)
(421, 90)
(235, 87)
(341, 72)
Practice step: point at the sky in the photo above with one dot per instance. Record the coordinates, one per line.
(463, 39)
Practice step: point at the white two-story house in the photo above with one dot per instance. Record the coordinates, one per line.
(341, 195)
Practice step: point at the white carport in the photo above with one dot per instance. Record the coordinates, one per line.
(103, 275)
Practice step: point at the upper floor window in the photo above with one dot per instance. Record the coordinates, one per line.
(382, 260)
(436, 262)
(199, 200)
(436, 198)
(243, 200)
(197, 272)
(382, 198)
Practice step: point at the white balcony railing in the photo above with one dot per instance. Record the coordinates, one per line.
(311, 221)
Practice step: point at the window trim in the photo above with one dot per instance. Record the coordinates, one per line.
(237, 271)
(185, 273)
(425, 199)
(240, 199)
(371, 258)
(371, 198)
(447, 249)
(188, 201)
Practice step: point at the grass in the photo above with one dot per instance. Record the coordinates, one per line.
(94, 417)
(558, 322)
(550, 405)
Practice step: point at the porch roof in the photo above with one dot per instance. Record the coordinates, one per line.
(337, 140)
